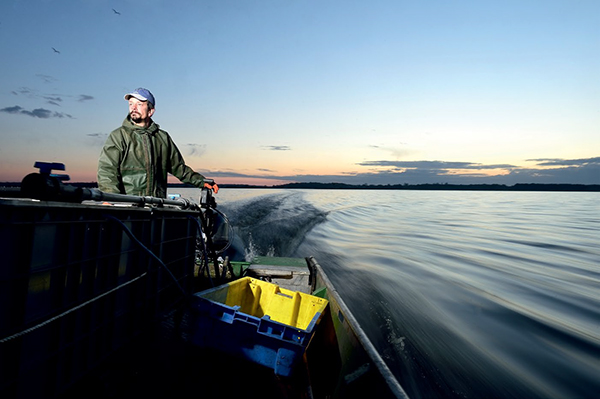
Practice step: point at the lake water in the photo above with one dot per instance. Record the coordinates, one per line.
(466, 294)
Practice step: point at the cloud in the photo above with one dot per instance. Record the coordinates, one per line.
(220, 173)
(12, 110)
(96, 139)
(84, 97)
(434, 165)
(584, 174)
(56, 98)
(276, 147)
(577, 171)
(46, 78)
(24, 91)
(195, 150)
(396, 152)
(36, 113)
(566, 162)
(53, 99)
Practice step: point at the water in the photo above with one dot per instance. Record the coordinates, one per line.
(466, 294)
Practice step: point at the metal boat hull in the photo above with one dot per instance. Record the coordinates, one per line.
(81, 289)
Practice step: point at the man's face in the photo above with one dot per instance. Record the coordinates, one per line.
(139, 112)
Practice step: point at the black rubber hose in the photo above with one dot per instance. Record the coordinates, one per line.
(204, 251)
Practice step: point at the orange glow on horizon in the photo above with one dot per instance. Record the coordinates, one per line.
(479, 172)
(253, 181)
(16, 175)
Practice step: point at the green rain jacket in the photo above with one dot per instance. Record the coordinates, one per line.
(135, 161)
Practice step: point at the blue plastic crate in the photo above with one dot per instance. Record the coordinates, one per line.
(259, 339)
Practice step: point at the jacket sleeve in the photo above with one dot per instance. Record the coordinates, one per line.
(109, 171)
(181, 171)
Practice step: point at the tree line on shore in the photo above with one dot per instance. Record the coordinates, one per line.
(429, 186)
(425, 186)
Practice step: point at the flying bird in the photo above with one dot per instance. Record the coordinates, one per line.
(55, 50)
(116, 12)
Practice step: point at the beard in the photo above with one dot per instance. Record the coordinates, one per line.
(135, 117)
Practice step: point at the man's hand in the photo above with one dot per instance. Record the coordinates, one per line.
(212, 186)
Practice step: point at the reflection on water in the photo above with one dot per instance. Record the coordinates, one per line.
(466, 294)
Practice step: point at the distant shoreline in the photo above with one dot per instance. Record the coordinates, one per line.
(342, 186)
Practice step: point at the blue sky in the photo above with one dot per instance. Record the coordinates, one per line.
(266, 91)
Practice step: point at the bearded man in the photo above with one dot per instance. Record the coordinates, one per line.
(138, 156)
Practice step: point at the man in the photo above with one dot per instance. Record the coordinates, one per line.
(137, 156)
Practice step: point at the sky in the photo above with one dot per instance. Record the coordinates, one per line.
(276, 91)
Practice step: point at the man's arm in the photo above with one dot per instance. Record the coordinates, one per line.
(183, 172)
(109, 175)
(186, 174)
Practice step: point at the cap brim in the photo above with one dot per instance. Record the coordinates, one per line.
(128, 96)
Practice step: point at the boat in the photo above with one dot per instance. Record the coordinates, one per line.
(114, 295)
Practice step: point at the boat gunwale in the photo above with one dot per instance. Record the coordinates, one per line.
(360, 334)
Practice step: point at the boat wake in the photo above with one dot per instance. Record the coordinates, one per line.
(270, 225)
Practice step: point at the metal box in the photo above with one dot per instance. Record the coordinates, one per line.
(74, 287)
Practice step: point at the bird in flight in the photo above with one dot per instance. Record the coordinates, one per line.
(55, 50)
(116, 12)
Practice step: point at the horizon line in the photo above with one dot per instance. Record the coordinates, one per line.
(398, 186)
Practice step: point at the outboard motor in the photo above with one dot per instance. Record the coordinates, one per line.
(217, 226)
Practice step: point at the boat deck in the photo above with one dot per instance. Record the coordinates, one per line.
(163, 362)
(289, 277)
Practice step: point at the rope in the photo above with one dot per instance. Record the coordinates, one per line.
(17, 335)
(130, 234)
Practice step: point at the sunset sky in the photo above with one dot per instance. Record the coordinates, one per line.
(273, 91)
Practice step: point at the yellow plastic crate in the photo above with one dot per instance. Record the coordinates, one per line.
(258, 321)
(259, 298)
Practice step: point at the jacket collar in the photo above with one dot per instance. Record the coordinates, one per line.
(129, 125)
